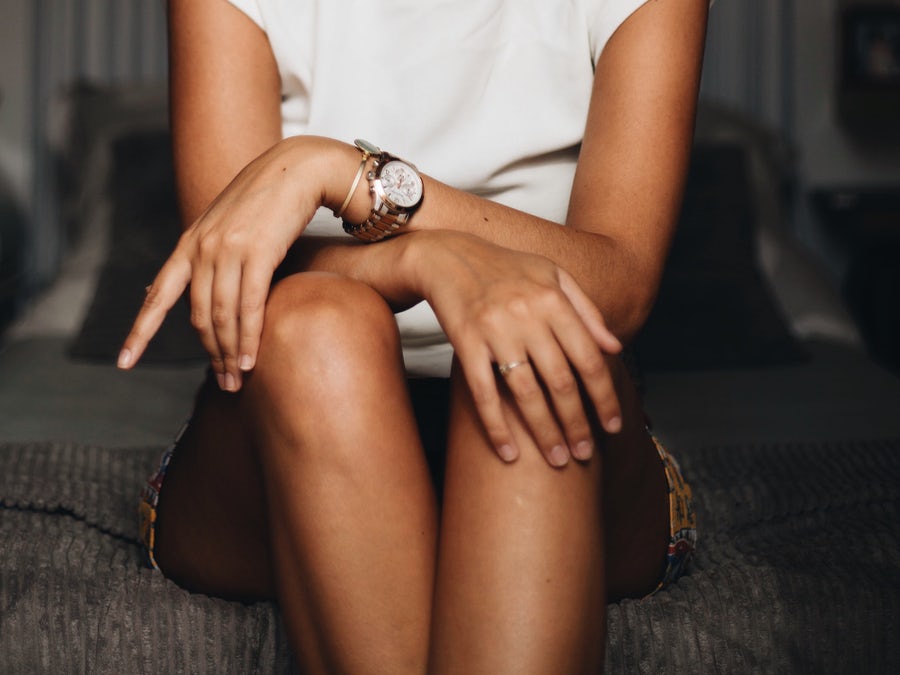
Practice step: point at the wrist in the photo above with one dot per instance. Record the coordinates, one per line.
(332, 165)
(430, 257)
(346, 189)
(395, 189)
(412, 260)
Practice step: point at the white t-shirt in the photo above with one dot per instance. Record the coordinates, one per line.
(489, 96)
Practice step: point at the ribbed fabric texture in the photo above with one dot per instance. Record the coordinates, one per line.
(798, 570)
(74, 595)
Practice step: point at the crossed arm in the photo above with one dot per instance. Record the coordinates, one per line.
(519, 286)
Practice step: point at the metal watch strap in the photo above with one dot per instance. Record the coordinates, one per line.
(383, 220)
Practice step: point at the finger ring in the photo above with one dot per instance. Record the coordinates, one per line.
(505, 368)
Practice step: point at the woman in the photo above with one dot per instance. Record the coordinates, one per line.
(303, 474)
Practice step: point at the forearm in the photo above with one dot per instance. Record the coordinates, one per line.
(619, 281)
(614, 247)
(382, 267)
(621, 291)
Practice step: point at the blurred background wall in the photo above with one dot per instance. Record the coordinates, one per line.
(46, 45)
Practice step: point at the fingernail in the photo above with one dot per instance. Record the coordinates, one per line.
(125, 357)
(614, 425)
(220, 379)
(507, 453)
(229, 382)
(559, 456)
(246, 363)
(583, 450)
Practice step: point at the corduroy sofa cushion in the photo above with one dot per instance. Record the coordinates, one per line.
(798, 570)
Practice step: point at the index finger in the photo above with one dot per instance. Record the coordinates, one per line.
(162, 294)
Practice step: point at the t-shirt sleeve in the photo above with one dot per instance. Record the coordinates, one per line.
(251, 9)
(605, 17)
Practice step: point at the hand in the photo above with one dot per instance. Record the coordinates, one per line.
(500, 306)
(228, 257)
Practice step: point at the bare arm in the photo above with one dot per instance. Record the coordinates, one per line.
(225, 97)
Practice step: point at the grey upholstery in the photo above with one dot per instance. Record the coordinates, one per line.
(798, 571)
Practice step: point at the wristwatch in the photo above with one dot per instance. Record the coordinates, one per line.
(396, 188)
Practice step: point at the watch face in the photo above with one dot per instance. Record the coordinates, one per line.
(402, 184)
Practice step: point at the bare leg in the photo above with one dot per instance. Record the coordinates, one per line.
(311, 485)
(343, 492)
(525, 563)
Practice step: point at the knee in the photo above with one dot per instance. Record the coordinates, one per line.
(322, 324)
(330, 349)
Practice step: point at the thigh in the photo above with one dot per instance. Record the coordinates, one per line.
(622, 491)
(212, 530)
(635, 500)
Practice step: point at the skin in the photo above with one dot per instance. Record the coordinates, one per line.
(277, 492)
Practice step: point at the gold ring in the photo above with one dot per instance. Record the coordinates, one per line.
(505, 368)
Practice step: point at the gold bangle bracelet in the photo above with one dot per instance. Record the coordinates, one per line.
(359, 173)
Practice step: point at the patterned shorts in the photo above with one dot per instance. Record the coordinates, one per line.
(150, 501)
(682, 520)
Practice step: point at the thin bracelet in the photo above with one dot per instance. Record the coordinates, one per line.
(359, 173)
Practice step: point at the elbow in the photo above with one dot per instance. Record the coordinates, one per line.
(629, 306)
(633, 313)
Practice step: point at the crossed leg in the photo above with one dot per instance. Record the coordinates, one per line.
(311, 486)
